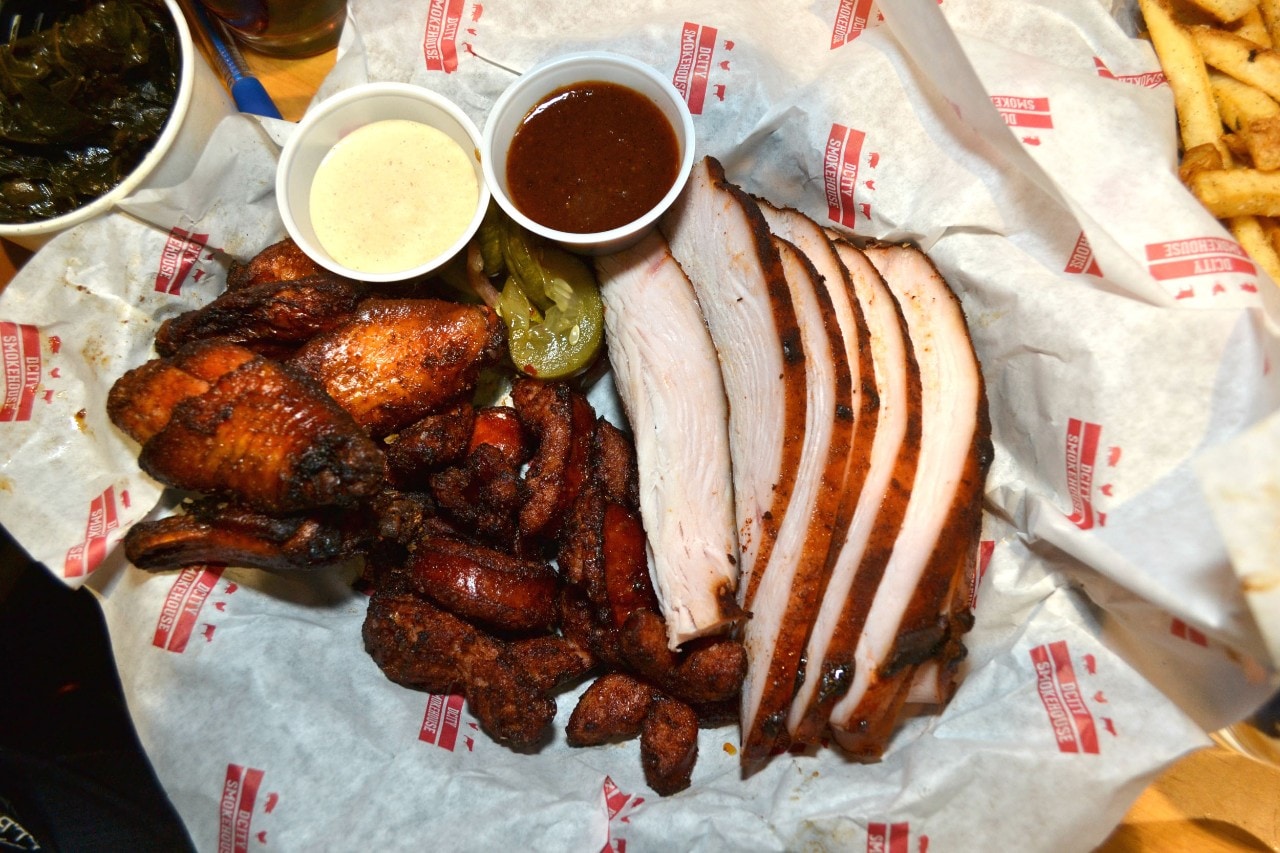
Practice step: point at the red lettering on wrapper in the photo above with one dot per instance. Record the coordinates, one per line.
(439, 40)
(1071, 719)
(1082, 456)
(181, 609)
(852, 18)
(1198, 257)
(1082, 261)
(1147, 80)
(441, 721)
(235, 809)
(1023, 112)
(23, 370)
(840, 175)
(86, 556)
(890, 838)
(181, 251)
(693, 70)
(618, 806)
(1183, 631)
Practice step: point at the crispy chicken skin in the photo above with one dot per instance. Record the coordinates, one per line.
(212, 531)
(482, 494)
(439, 439)
(669, 746)
(485, 585)
(141, 401)
(563, 424)
(612, 708)
(550, 661)
(707, 669)
(499, 427)
(418, 644)
(267, 436)
(282, 261)
(405, 635)
(271, 317)
(397, 360)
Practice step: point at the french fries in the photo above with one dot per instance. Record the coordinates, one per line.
(1227, 10)
(1225, 78)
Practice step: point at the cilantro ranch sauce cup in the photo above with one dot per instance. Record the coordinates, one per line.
(582, 137)
(382, 182)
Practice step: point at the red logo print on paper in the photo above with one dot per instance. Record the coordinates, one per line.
(852, 18)
(235, 809)
(1148, 80)
(104, 517)
(1072, 721)
(1183, 631)
(23, 370)
(619, 806)
(1201, 265)
(841, 162)
(180, 614)
(693, 70)
(442, 720)
(440, 39)
(893, 838)
(1082, 261)
(1084, 441)
(181, 251)
(1024, 113)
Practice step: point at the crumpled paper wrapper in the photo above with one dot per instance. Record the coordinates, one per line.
(1128, 600)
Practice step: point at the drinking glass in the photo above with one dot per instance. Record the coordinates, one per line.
(292, 28)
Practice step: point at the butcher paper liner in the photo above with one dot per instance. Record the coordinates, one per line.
(1129, 349)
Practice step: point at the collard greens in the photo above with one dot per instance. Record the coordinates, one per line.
(83, 101)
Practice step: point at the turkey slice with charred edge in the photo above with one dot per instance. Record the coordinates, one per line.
(881, 504)
(743, 290)
(920, 610)
(829, 650)
(745, 301)
(785, 601)
(791, 430)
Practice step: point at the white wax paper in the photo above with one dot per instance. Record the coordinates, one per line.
(1130, 362)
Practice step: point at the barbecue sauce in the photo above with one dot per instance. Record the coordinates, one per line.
(592, 157)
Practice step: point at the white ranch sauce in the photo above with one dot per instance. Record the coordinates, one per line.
(392, 195)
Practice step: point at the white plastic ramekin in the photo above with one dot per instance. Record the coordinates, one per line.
(533, 86)
(328, 122)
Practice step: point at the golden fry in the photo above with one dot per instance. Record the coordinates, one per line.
(1252, 236)
(1239, 103)
(1198, 119)
(1262, 139)
(1270, 11)
(1237, 70)
(1252, 27)
(1240, 58)
(1199, 159)
(1271, 227)
(1237, 192)
(1226, 10)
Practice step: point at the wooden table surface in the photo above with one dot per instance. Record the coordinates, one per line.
(1214, 801)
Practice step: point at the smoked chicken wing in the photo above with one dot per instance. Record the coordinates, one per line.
(260, 433)
(271, 317)
(282, 261)
(211, 531)
(396, 360)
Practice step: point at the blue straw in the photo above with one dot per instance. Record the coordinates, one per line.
(246, 90)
